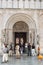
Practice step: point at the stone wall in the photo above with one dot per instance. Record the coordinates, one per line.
(8, 17)
(32, 4)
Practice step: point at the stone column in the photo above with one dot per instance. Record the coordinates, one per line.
(36, 25)
(0, 42)
(29, 3)
(32, 37)
(23, 3)
(27, 34)
(1, 3)
(17, 3)
(12, 3)
(10, 35)
(6, 3)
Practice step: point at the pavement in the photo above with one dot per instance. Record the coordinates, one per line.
(24, 60)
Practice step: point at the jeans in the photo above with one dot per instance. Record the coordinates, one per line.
(29, 53)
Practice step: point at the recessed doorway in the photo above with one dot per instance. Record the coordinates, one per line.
(20, 35)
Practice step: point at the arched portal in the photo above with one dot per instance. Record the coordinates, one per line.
(20, 23)
(21, 31)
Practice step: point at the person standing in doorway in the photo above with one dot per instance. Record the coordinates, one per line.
(21, 45)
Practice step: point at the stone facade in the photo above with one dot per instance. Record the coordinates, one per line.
(33, 19)
(34, 4)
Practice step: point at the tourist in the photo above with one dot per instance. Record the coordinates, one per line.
(33, 50)
(5, 53)
(17, 51)
(21, 46)
(10, 50)
(26, 47)
(29, 49)
(37, 49)
(21, 49)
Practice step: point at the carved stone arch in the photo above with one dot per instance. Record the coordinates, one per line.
(20, 26)
(20, 18)
(21, 31)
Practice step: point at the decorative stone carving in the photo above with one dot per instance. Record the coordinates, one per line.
(20, 27)
(38, 39)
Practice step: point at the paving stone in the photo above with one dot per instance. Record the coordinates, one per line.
(24, 60)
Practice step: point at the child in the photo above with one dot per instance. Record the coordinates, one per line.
(40, 57)
(17, 52)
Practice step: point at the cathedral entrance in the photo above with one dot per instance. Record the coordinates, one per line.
(21, 30)
(21, 37)
(20, 33)
(20, 27)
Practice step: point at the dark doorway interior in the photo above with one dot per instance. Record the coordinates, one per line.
(20, 35)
